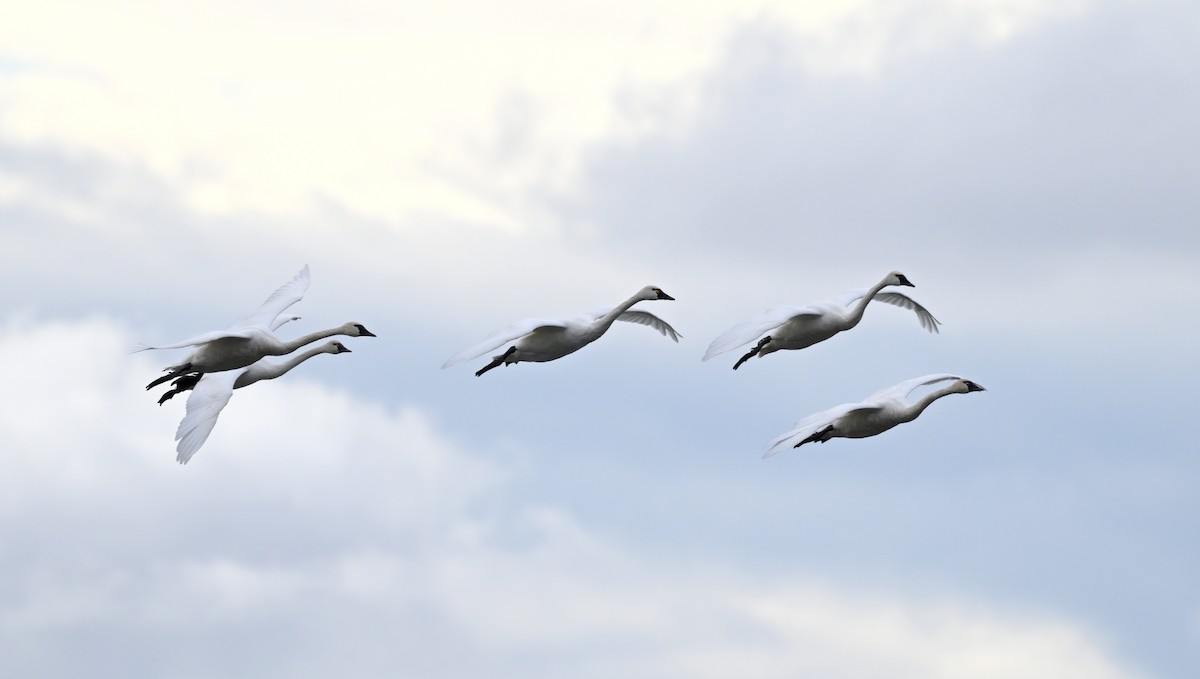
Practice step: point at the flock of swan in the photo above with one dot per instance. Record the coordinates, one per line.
(233, 358)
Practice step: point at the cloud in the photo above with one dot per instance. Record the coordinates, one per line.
(322, 533)
(395, 109)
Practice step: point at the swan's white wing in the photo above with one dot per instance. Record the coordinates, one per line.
(288, 294)
(266, 315)
(281, 320)
(500, 337)
(906, 387)
(895, 299)
(811, 424)
(243, 333)
(647, 318)
(204, 405)
(904, 301)
(752, 328)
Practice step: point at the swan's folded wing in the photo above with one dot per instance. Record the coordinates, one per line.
(647, 318)
(752, 328)
(904, 301)
(288, 294)
(906, 387)
(810, 425)
(500, 337)
(204, 406)
(242, 333)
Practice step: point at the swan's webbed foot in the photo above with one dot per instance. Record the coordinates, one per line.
(181, 370)
(181, 385)
(817, 437)
(496, 361)
(753, 352)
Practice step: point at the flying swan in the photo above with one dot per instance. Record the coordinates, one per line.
(251, 338)
(542, 340)
(211, 391)
(797, 327)
(876, 414)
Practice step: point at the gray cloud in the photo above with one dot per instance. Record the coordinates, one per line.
(1073, 135)
(1038, 191)
(319, 533)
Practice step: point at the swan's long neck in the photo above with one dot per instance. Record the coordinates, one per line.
(922, 403)
(292, 345)
(859, 309)
(604, 322)
(269, 370)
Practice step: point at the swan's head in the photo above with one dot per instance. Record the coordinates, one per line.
(652, 292)
(353, 329)
(897, 278)
(336, 347)
(967, 386)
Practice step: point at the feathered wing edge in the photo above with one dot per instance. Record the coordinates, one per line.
(809, 425)
(204, 406)
(244, 333)
(285, 296)
(266, 315)
(924, 317)
(905, 302)
(752, 328)
(649, 319)
(903, 389)
(494, 340)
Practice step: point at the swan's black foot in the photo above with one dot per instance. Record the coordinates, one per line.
(816, 437)
(753, 352)
(181, 370)
(181, 385)
(496, 361)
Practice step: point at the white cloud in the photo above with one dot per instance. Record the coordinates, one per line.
(402, 109)
(316, 515)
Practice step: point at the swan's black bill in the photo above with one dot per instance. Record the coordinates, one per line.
(663, 295)
(971, 386)
(904, 281)
(363, 332)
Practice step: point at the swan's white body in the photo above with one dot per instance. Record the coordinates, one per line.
(214, 390)
(797, 327)
(875, 414)
(252, 337)
(541, 340)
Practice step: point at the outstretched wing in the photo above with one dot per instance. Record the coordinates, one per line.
(243, 333)
(752, 328)
(204, 406)
(500, 337)
(895, 299)
(288, 294)
(266, 315)
(906, 387)
(647, 318)
(905, 302)
(812, 424)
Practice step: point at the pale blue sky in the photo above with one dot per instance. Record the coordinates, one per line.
(1030, 166)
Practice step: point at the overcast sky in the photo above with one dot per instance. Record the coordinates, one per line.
(1031, 165)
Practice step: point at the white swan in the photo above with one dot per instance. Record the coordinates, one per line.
(188, 381)
(797, 327)
(542, 340)
(251, 338)
(876, 413)
(211, 391)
